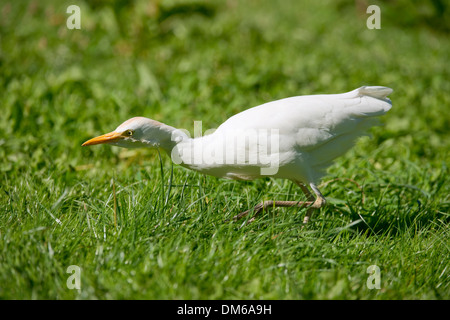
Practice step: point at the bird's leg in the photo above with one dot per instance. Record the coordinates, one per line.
(312, 203)
(318, 203)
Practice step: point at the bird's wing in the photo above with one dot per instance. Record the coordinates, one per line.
(316, 119)
(320, 127)
(310, 132)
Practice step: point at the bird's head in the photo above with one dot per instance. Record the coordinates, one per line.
(136, 133)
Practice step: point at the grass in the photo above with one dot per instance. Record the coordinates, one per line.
(139, 232)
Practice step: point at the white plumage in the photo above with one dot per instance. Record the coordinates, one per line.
(295, 138)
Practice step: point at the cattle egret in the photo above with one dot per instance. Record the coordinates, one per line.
(295, 138)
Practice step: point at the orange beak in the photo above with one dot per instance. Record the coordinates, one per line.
(106, 138)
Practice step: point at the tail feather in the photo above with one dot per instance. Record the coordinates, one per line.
(375, 91)
(374, 101)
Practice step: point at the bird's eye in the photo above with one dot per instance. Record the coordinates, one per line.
(129, 133)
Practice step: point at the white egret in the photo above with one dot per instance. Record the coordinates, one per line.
(295, 138)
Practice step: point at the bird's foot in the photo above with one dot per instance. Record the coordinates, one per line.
(256, 209)
(272, 204)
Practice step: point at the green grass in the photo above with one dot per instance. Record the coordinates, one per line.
(178, 62)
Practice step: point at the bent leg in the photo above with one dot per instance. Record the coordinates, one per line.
(312, 203)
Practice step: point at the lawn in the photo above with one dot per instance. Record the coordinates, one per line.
(139, 227)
